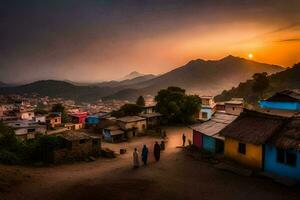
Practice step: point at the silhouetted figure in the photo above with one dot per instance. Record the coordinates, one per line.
(162, 145)
(145, 155)
(157, 151)
(136, 162)
(183, 139)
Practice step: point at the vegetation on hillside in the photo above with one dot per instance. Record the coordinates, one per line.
(264, 86)
(140, 101)
(176, 106)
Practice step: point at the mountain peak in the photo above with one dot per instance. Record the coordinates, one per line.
(132, 75)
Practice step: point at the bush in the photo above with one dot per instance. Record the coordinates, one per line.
(10, 158)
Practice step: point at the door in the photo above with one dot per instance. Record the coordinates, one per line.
(197, 139)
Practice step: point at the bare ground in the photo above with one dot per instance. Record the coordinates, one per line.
(176, 176)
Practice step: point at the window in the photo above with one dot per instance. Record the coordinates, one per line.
(204, 115)
(232, 108)
(280, 155)
(286, 157)
(242, 148)
(55, 120)
(31, 130)
(291, 158)
(82, 141)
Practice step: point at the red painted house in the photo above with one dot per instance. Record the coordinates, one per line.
(197, 139)
(79, 117)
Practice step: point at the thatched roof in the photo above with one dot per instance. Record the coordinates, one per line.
(254, 127)
(289, 137)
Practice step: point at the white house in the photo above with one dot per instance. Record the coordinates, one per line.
(25, 129)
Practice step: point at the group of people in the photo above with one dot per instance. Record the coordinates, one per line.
(145, 151)
(144, 155)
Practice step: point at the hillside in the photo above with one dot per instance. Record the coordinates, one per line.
(63, 89)
(202, 77)
(287, 79)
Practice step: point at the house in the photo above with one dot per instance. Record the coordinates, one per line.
(40, 118)
(235, 106)
(147, 109)
(282, 153)
(78, 117)
(54, 119)
(92, 120)
(284, 100)
(245, 137)
(206, 135)
(208, 108)
(1, 111)
(25, 115)
(113, 134)
(76, 146)
(71, 126)
(132, 125)
(25, 129)
(152, 119)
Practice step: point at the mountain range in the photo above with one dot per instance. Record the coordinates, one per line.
(203, 77)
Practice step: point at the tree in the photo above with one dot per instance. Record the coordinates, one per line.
(8, 139)
(140, 101)
(176, 106)
(61, 109)
(127, 110)
(261, 83)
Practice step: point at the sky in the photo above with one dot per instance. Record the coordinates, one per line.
(96, 40)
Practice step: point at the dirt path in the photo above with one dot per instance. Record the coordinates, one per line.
(176, 176)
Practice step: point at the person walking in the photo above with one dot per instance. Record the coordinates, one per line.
(183, 139)
(145, 155)
(157, 151)
(136, 162)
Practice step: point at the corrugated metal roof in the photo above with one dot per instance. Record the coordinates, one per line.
(212, 127)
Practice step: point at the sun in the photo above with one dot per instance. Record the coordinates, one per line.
(250, 55)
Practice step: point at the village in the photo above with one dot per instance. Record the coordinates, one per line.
(243, 141)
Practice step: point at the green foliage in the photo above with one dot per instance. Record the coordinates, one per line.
(140, 101)
(260, 82)
(176, 106)
(127, 110)
(61, 109)
(8, 139)
(9, 158)
(14, 151)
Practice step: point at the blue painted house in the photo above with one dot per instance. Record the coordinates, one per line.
(113, 134)
(285, 100)
(206, 135)
(92, 120)
(282, 153)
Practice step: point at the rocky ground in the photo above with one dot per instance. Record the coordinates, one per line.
(176, 176)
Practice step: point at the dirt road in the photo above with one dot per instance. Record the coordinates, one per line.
(176, 176)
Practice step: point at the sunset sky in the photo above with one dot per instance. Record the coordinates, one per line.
(94, 40)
